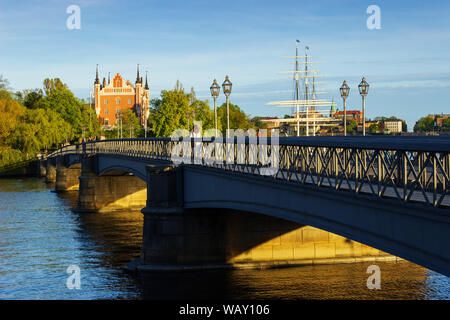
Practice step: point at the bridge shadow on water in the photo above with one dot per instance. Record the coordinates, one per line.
(117, 237)
(400, 280)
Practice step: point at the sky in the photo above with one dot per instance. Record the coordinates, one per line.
(406, 62)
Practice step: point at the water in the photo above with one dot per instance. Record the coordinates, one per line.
(40, 236)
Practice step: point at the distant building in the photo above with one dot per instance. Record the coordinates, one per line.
(440, 117)
(393, 125)
(119, 95)
(351, 115)
(270, 122)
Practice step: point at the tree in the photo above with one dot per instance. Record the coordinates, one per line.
(10, 114)
(40, 129)
(352, 127)
(258, 123)
(31, 98)
(374, 128)
(425, 124)
(203, 113)
(4, 83)
(52, 84)
(60, 99)
(238, 118)
(131, 124)
(170, 112)
(446, 125)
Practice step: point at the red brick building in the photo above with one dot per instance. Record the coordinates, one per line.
(119, 95)
(351, 115)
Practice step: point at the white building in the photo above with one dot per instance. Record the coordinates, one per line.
(393, 125)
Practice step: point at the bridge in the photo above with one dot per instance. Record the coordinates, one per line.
(246, 201)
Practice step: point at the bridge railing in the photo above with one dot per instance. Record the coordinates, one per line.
(406, 169)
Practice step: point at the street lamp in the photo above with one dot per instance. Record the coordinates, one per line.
(363, 91)
(226, 85)
(215, 90)
(119, 124)
(345, 89)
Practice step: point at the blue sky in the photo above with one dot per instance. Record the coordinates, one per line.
(406, 61)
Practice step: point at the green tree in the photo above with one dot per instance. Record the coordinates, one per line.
(40, 129)
(131, 124)
(374, 128)
(53, 84)
(352, 127)
(446, 125)
(11, 113)
(169, 112)
(31, 98)
(425, 124)
(61, 100)
(203, 113)
(238, 118)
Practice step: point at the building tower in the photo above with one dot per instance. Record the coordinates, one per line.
(97, 92)
(146, 111)
(138, 99)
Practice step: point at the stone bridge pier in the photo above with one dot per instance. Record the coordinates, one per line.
(109, 191)
(175, 238)
(41, 168)
(67, 177)
(50, 172)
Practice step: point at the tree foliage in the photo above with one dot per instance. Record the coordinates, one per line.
(238, 118)
(35, 120)
(10, 114)
(176, 109)
(61, 100)
(425, 124)
(40, 130)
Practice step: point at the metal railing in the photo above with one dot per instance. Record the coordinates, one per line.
(413, 169)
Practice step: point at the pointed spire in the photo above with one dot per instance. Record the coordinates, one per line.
(97, 81)
(138, 79)
(146, 80)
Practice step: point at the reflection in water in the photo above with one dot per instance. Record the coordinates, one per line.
(40, 236)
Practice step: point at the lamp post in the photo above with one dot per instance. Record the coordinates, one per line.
(345, 89)
(215, 90)
(118, 123)
(363, 91)
(226, 86)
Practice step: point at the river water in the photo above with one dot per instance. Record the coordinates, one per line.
(41, 236)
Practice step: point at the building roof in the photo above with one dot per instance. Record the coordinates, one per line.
(349, 112)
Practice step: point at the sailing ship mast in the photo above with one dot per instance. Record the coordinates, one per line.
(304, 107)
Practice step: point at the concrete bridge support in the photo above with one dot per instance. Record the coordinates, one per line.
(50, 172)
(67, 178)
(177, 238)
(117, 191)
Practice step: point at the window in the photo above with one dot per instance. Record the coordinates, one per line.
(106, 101)
(106, 111)
(129, 101)
(117, 100)
(106, 122)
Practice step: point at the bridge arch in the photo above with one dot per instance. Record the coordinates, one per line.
(415, 233)
(120, 170)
